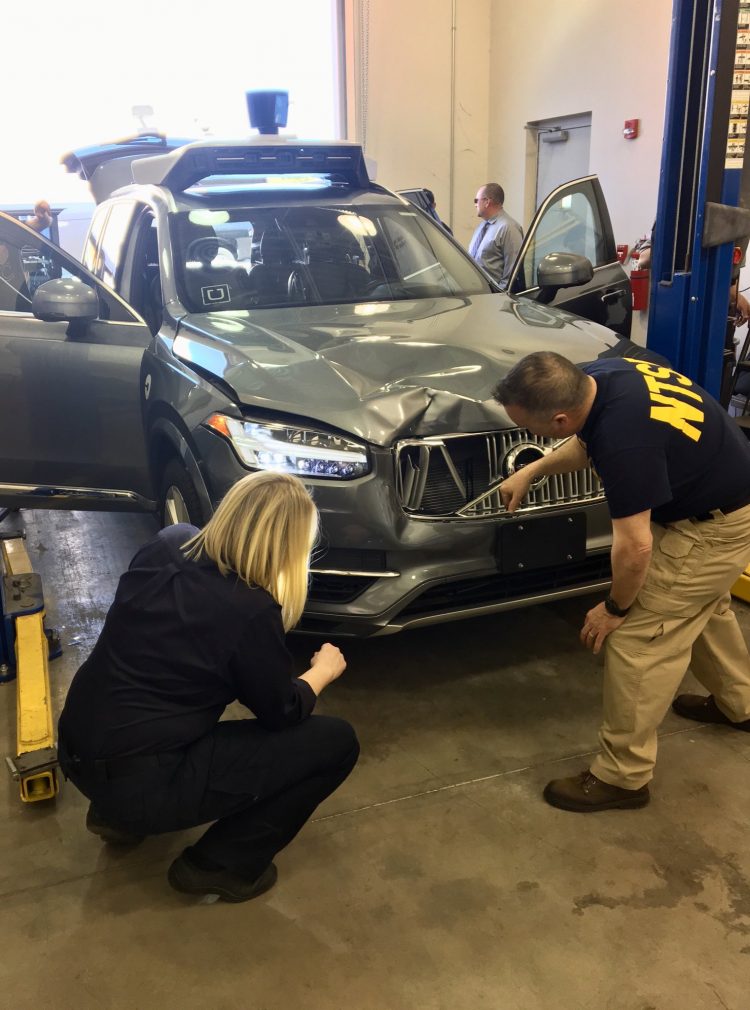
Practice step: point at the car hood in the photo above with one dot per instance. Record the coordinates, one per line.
(383, 370)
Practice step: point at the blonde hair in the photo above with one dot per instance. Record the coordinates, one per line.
(263, 531)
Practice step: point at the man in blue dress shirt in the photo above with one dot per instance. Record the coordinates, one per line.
(497, 240)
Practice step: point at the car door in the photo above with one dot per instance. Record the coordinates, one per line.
(71, 409)
(574, 218)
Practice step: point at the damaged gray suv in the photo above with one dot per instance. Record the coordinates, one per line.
(265, 305)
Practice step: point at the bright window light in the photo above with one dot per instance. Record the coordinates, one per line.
(190, 63)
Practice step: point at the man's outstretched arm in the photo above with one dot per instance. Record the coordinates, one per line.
(566, 458)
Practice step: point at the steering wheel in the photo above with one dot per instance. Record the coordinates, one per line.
(202, 248)
(298, 285)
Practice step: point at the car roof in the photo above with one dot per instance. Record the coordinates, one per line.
(178, 165)
(182, 168)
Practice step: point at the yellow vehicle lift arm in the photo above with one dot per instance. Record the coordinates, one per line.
(35, 763)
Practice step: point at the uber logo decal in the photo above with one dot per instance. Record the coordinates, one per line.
(215, 294)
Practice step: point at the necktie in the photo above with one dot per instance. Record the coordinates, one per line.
(478, 241)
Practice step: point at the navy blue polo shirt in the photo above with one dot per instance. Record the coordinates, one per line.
(658, 441)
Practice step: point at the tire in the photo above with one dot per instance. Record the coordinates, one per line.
(178, 499)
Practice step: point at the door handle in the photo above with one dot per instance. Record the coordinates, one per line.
(613, 296)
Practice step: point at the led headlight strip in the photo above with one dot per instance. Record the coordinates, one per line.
(292, 449)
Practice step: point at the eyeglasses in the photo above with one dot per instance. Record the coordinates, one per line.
(477, 199)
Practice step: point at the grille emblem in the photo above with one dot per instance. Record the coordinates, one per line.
(519, 457)
(457, 476)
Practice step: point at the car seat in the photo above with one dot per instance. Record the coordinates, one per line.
(333, 275)
(268, 282)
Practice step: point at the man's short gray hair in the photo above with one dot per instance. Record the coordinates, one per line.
(494, 192)
(543, 383)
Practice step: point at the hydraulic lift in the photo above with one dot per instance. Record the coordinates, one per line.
(703, 210)
(704, 191)
(25, 648)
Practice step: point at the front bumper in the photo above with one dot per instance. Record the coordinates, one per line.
(378, 570)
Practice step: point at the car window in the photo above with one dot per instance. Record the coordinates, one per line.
(26, 215)
(569, 224)
(112, 243)
(28, 260)
(272, 256)
(416, 260)
(142, 250)
(91, 249)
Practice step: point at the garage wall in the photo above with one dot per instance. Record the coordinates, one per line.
(400, 86)
(514, 63)
(554, 59)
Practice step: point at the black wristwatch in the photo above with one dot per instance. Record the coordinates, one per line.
(611, 607)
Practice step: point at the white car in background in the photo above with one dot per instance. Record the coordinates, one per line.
(70, 223)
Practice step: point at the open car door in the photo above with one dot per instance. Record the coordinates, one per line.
(71, 409)
(574, 219)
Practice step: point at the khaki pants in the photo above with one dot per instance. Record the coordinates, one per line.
(681, 618)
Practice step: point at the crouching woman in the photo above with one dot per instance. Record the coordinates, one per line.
(198, 622)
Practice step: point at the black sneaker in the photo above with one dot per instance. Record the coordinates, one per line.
(703, 708)
(108, 832)
(188, 878)
(586, 793)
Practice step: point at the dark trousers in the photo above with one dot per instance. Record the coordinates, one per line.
(259, 787)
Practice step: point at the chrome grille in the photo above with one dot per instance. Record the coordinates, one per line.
(456, 476)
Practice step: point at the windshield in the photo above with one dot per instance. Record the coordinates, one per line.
(265, 257)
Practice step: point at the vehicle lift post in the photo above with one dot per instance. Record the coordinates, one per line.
(701, 210)
(24, 651)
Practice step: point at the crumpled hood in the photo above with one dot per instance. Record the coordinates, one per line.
(384, 370)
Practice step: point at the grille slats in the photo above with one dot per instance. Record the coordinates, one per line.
(498, 588)
(448, 478)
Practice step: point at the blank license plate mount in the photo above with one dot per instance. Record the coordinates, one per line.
(544, 542)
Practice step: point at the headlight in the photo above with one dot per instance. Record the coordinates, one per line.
(302, 451)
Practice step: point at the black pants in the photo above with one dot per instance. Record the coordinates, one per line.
(259, 787)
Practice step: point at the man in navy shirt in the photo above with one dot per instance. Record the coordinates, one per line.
(676, 472)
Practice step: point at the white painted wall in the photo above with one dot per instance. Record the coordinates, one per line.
(406, 128)
(554, 59)
(515, 62)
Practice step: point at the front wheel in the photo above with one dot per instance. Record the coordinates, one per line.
(179, 501)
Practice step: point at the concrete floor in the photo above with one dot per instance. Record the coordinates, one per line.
(435, 879)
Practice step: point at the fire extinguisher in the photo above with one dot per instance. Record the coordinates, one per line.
(639, 283)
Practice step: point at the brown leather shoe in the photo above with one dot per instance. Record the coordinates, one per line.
(703, 708)
(586, 793)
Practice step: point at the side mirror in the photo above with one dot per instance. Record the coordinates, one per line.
(562, 270)
(67, 300)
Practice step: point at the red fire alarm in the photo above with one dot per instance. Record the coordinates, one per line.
(630, 130)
